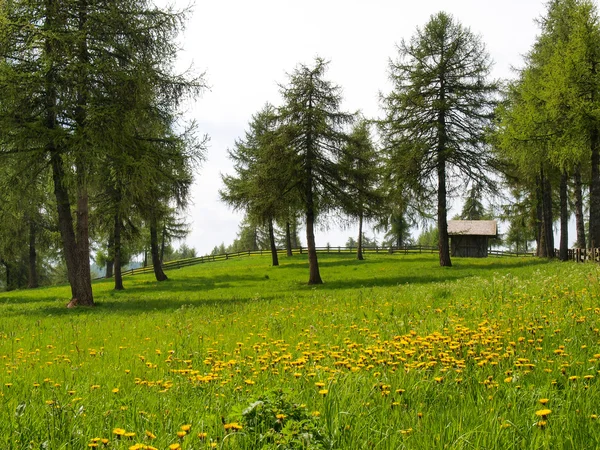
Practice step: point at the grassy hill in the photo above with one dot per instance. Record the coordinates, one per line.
(392, 352)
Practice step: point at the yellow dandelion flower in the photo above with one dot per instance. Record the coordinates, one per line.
(280, 416)
(119, 431)
(543, 401)
(186, 427)
(181, 434)
(150, 435)
(324, 392)
(543, 413)
(174, 446)
(202, 435)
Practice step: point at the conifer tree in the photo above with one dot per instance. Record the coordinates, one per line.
(313, 124)
(438, 112)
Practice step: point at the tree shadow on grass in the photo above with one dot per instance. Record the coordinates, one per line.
(133, 306)
(461, 270)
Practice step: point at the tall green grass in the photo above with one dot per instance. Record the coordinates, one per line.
(392, 352)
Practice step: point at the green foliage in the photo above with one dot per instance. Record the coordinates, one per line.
(430, 237)
(275, 421)
(436, 116)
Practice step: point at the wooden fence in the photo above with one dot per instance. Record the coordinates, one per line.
(405, 250)
(582, 254)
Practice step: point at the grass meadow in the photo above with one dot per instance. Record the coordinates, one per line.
(393, 352)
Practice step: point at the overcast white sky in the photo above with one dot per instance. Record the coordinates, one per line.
(246, 47)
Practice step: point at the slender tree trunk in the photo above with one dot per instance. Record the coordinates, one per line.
(288, 239)
(548, 217)
(110, 261)
(564, 219)
(83, 272)
(579, 220)
(81, 287)
(359, 252)
(154, 251)
(272, 243)
(539, 215)
(117, 234)
(443, 245)
(162, 243)
(595, 190)
(313, 263)
(32, 281)
(314, 276)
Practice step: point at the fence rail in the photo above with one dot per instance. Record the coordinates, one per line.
(582, 254)
(405, 250)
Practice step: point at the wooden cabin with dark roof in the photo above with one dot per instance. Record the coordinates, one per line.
(470, 238)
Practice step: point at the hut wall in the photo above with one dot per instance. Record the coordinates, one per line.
(469, 246)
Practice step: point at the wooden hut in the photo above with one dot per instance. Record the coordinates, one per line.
(470, 238)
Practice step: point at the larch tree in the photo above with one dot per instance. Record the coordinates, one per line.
(361, 166)
(261, 186)
(314, 126)
(548, 123)
(437, 113)
(62, 64)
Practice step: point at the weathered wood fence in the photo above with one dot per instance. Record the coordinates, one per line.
(583, 254)
(404, 250)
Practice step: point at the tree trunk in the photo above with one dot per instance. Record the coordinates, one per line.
(154, 251)
(110, 260)
(564, 219)
(83, 272)
(288, 239)
(595, 190)
(162, 243)
(313, 263)
(579, 220)
(272, 243)
(539, 216)
(443, 244)
(548, 217)
(81, 286)
(32, 281)
(117, 234)
(359, 252)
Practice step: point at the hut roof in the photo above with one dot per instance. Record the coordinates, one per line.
(472, 228)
